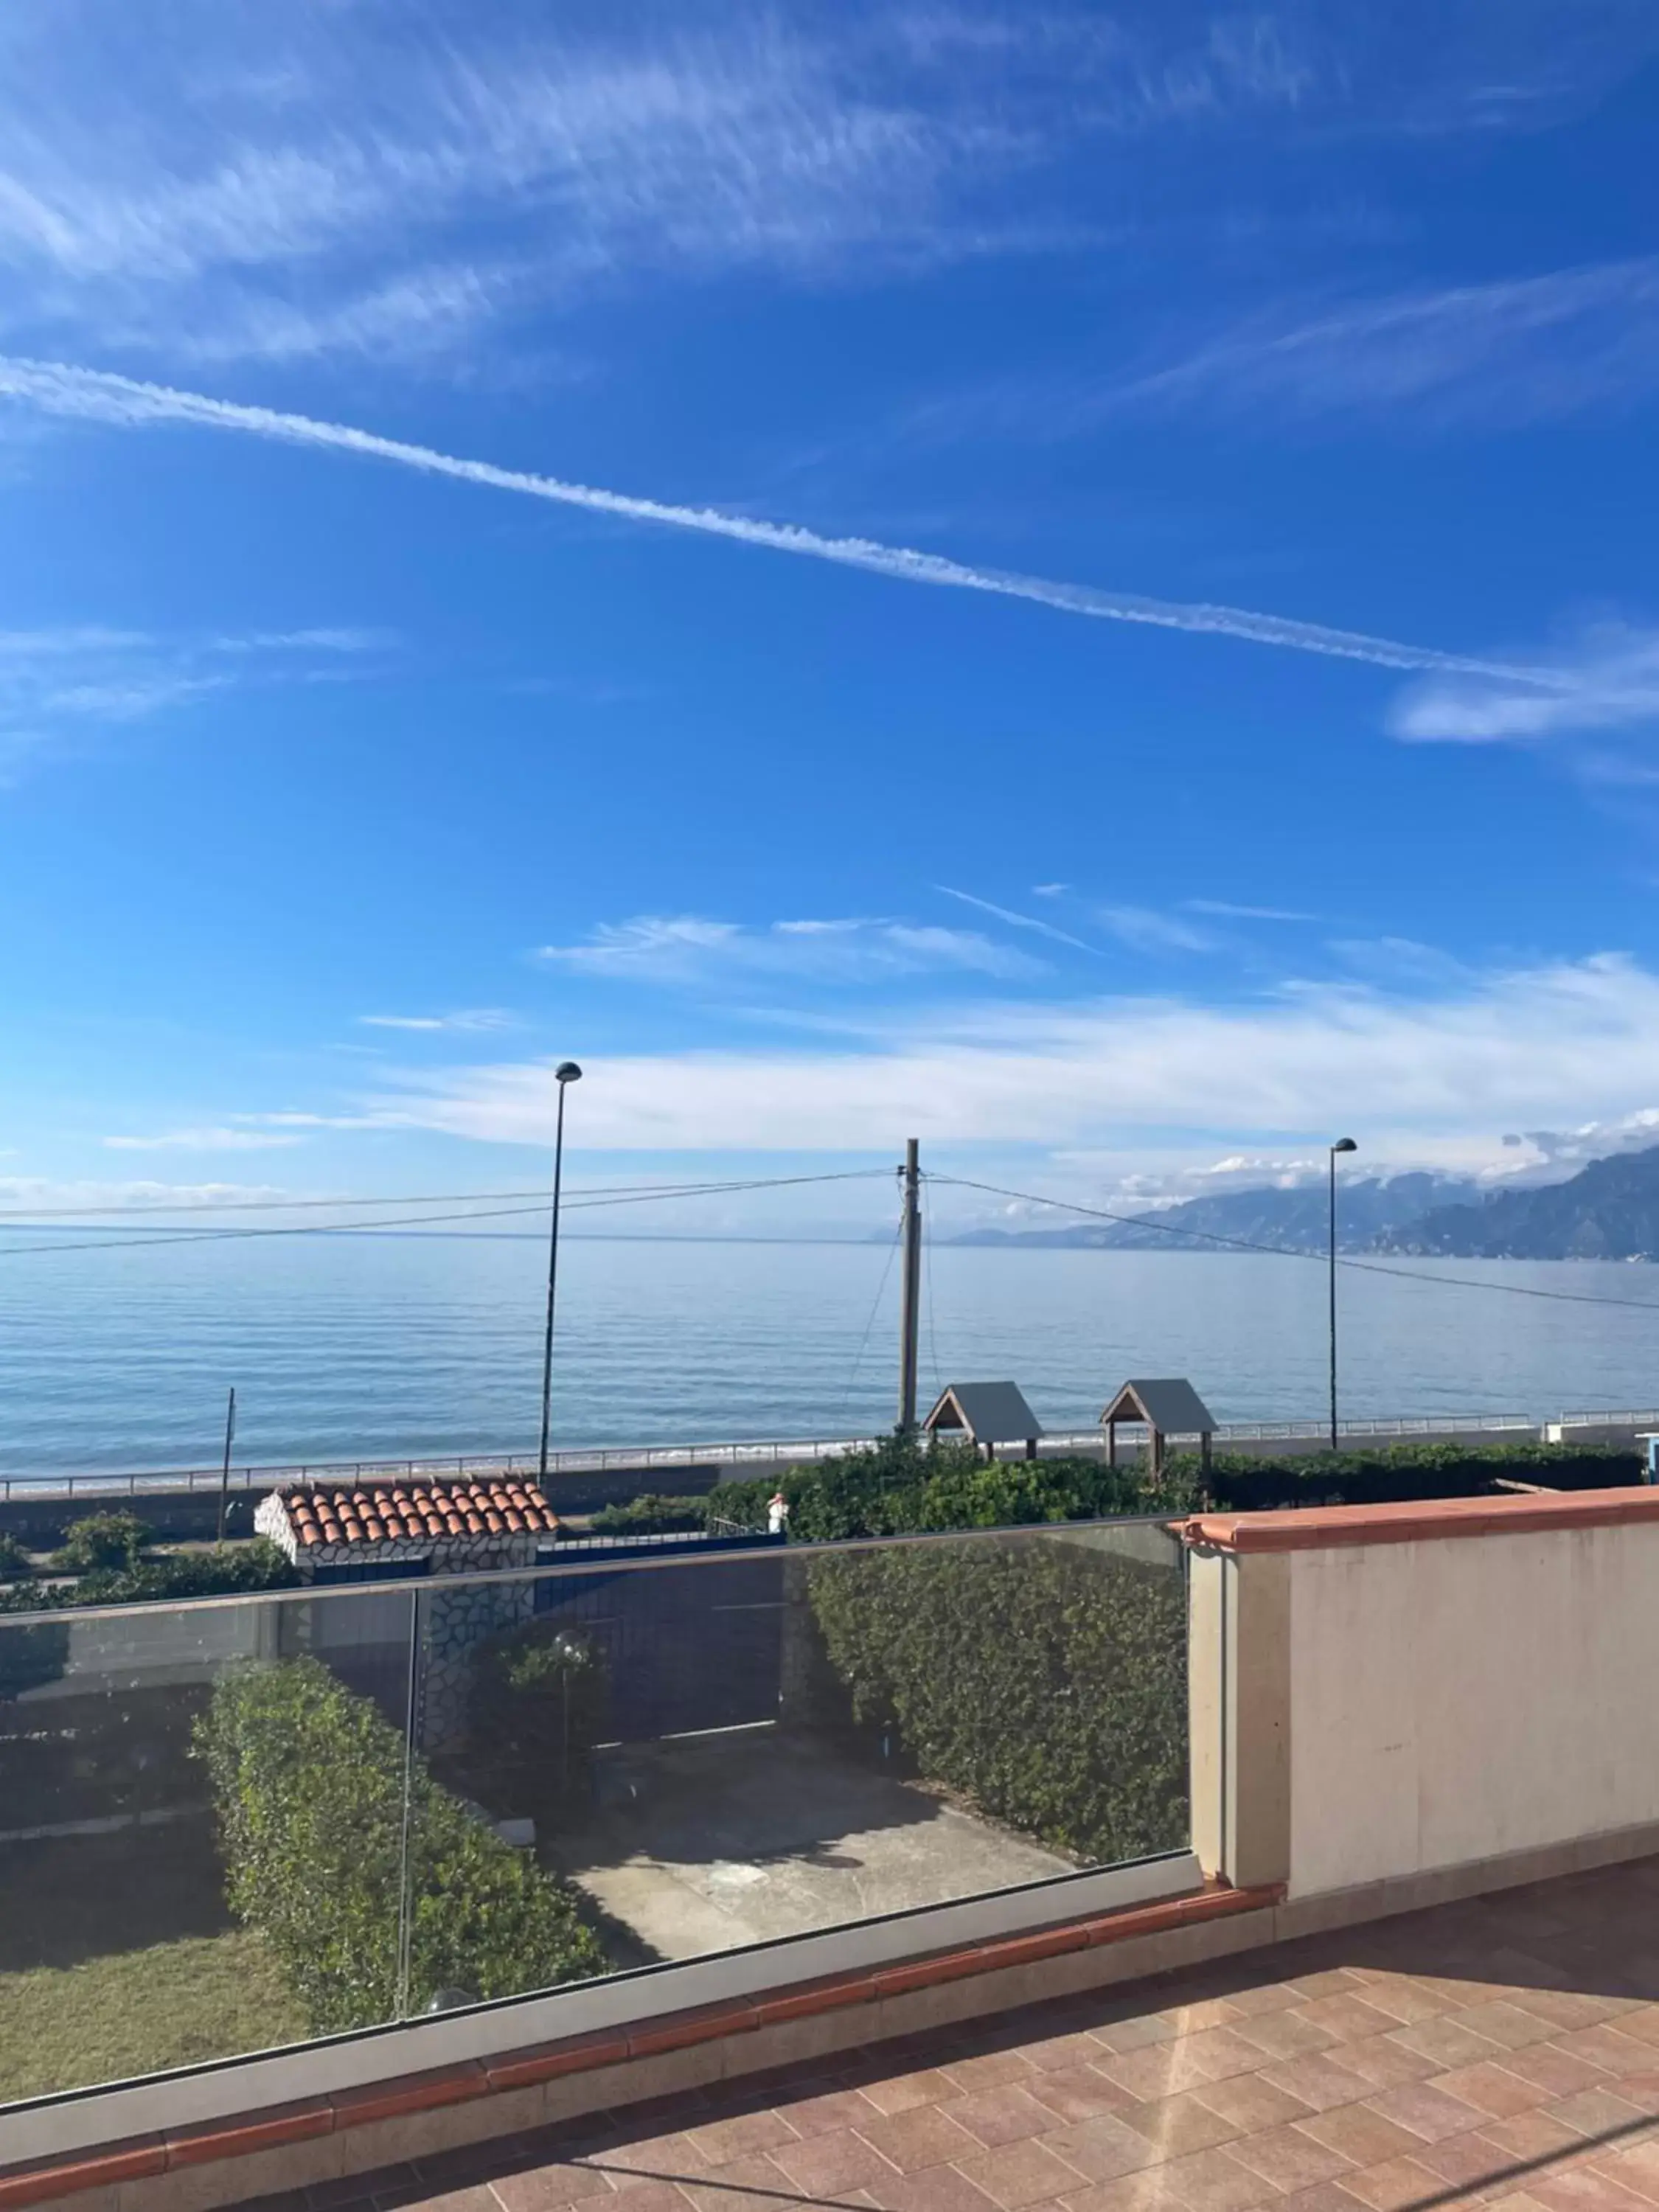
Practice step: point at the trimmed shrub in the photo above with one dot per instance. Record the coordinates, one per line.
(226, 1571)
(102, 1540)
(1239, 1482)
(1044, 1679)
(315, 1791)
(651, 1516)
(540, 1699)
(15, 1563)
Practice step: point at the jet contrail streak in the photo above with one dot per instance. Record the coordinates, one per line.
(95, 395)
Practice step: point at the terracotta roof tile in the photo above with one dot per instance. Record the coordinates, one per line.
(417, 1511)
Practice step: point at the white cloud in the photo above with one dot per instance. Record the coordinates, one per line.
(468, 1018)
(55, 684)
(1540, 1044)
(1019, 921)
(210, 1140)
(690, 948)
(29, 1195)
(1608, 681)
(1485, 354)
(1226, 911)
(1145, 930)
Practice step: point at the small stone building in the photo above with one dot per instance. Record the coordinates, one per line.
(387, 1529)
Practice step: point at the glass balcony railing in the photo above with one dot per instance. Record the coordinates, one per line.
(234, 1825)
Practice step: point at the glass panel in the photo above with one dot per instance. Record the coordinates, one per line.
(201, 1818)
(726, 1751)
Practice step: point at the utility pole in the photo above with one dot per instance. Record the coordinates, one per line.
(224, 1478)
(910, 1300)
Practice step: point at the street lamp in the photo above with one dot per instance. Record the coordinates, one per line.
(1342, 1145)
(565, 1073)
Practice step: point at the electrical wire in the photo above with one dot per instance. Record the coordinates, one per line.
(30, 1213)
(1295, 1252)
(927, 1269)
(639, 1197)
(864, 1341)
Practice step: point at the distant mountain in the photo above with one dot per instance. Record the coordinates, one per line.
(1608, 1211)
(1368, 1208)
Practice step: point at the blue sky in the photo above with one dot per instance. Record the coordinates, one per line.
(1232, 717)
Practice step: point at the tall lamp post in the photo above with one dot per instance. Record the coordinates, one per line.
(564, 1074)
(1342, 1145)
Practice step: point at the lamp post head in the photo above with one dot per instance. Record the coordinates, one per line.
(1344, 1145)
(567, 1072)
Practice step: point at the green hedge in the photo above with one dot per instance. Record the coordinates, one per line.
(651, 1516)
(14, 1562)
(309, 1782)
(901, 1485)
(227, 1570)
(103, 1540)
(1044, 1679)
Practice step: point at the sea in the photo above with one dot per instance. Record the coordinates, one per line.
(378, 1347)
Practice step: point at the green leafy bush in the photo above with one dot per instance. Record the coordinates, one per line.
(1241, 1483)
(1044, 1679)
(226, 1570)
(651, 1516)
(14, 1560)
(102, 1540)
(309, 1782)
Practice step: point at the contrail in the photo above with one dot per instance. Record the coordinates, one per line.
(95, 395)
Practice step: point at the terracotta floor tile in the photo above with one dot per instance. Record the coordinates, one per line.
(1286, 2034)
(1607, 2046)
(1446, 2042)
(1078, 2093)
(1426, 2111)
(543, 2188)
(1512, 2024)
(1251, 2102)
(1056, 2053)
(1595, 2113)
(1643, 2023)
(1385, 2063)
(921, 2137)
(1214, 2181)
(1102, 2150)
(1554, 2069)
(903, 2092)
(1134, 2033)
(1323, 2197)
(1348, 2017)
(1261, 1998)
(987, 2070)
(935, 2189)
(652, 2154)
(832, 2164)
(1404, 2001)
(1290, 2158)
(1017, 2174)
(1335, 1982)
(744, 2185)
(1158, 2069)
(1204, 2012)
(1638, 2169)
(1364, 2136)
(1320, 2082)
(1218, 2051)
(1569, 2009)
(1532, 2137)
(1176, 2125)
(1471, 2161)
(1492, 2087)
(720, 2141)
(828, 2113)
(1584, 2189)
(1130, 2192)
(1396, 2185)
(999, 2115)
(667, 2197)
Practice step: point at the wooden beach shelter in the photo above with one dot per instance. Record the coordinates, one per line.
(1170, 1407)
(991, 1414)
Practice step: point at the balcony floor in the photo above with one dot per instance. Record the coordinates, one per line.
(1507, 2047)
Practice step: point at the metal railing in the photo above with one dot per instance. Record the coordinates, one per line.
(760, 1453)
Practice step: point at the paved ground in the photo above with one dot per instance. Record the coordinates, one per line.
(1501, 2049)
(712, 1841)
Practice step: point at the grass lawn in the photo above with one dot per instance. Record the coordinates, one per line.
(135, 2012)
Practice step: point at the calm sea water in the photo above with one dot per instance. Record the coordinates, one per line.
(371, 1347)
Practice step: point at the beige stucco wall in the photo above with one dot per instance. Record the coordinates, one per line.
(1452, 1701)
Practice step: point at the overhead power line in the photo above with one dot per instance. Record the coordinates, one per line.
(641, 1196)
(1296, 1252)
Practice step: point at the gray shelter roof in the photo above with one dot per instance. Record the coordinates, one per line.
(1171, 1406)
(991, 1412)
